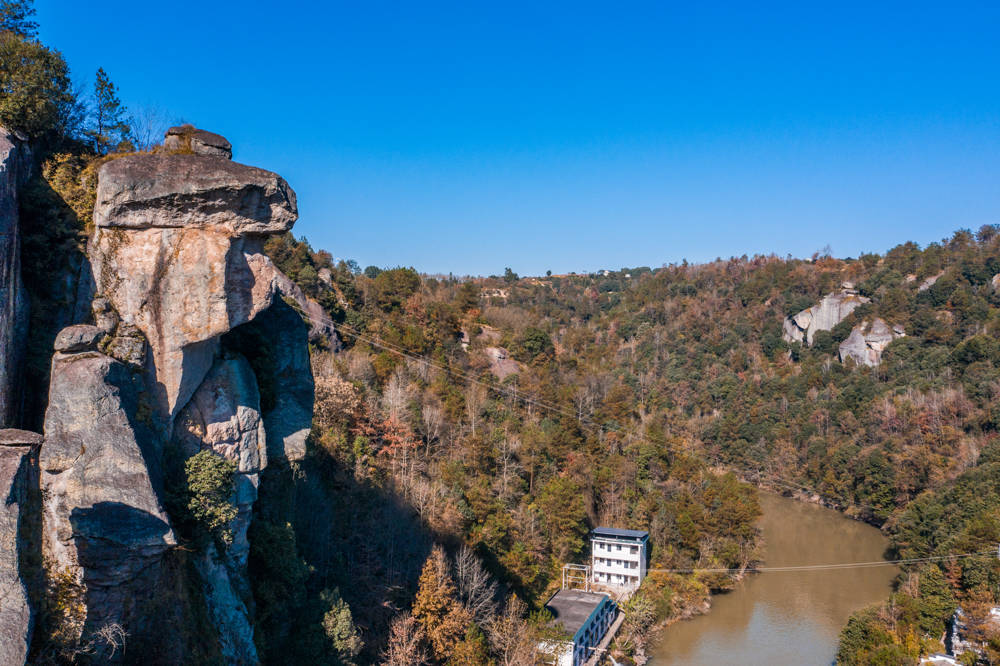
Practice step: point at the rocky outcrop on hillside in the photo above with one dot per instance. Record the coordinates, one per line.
(867, 341)
(193, 348)
(501, 364)
(830, 311)
(15, 167)
(17, 471)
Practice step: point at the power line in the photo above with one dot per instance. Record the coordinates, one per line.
(349, 330)
(831, 567)
(532, 400)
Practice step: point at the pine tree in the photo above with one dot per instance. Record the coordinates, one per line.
(109, 122)
(471, 650)
(437, 608)
(338, 625)
(15, 17)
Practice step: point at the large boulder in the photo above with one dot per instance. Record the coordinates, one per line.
(15, 167)
(192, 191)
(867, 341)
(189, 139)
(17, 449)
(103, 527)
(830, 311)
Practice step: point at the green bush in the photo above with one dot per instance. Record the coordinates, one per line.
(210, 485)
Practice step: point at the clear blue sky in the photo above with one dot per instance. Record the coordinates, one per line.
(568, 136)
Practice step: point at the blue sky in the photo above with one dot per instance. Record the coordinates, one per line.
(468, 137)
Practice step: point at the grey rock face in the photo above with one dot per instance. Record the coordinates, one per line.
(15, 161)
(225, 605)
(192, 191)
(929, 282)
(830, 311)
(78, 338)
(320, 325)
(186, 138)
(105, 316)
(102, 519)
(866, 342)
(279, 338)
(224, 416)
(127, 344)
(16, 468)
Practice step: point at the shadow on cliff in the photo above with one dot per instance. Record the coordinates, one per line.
(53, 251)
(356, 535)
(118, 543)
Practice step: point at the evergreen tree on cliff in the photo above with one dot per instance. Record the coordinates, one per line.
(109, 128)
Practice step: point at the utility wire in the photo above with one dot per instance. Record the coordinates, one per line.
(354, 333)
(830, 567)
(529, 399)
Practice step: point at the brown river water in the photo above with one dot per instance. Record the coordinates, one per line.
(786, 618)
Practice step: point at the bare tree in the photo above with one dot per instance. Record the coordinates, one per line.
(405, 646)
(475, 400)
(147, 125)
(435, 422)
(510, 635)
(476, 587)
(114, 637)
(396, 397)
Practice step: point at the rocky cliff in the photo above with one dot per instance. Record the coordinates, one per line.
(830, 311)
(15, 162)
(867, 341)
(18, 473)
(193, 348)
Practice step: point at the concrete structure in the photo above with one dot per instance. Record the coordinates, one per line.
(585, 617)
(619, 558)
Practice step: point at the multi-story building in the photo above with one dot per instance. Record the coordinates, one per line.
(619, 557)
(585, 617)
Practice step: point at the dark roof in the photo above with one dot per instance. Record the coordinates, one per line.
(615, 532)
(571, 608)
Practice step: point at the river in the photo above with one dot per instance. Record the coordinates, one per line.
(786, 618)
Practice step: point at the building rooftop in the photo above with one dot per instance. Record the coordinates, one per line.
(571, 608)
(616, 533)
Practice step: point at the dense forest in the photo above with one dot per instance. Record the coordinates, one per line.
(469, 432)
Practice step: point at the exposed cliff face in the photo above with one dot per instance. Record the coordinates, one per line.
(17, 471)
(103, 524)
(867, 342)
(15, 167)
(192, 344)
(277, 344)
(833, 309)
(224, 417)
(177, 253)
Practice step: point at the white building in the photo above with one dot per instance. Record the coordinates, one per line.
(619, 557)
(585, 618)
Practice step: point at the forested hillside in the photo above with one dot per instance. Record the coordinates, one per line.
(630, 386)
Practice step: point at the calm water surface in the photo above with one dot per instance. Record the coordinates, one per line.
(786, 618)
